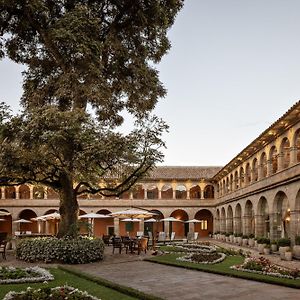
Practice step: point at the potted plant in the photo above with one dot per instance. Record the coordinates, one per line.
(251, 240)
(227, 236)
(288, 255)
(239, 239)
(267, 249)
(283, 245)
(245, 240)
(274, 246)
(231, 237)
(261, 244)
(296, 248)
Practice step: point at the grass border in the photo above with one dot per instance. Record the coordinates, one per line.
(243, 275)
(112, 285)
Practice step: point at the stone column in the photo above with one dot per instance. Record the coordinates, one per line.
(46, 193)
(293, 155)
(17, 192)
(269, 168)
(229, 225)
(280, 161)
(130, 195)
(259, 172)
(167, 227)
(223, 225)
(159, 194)
(31, 192)
(237, 225)
(187, 194)
(216, 225)
(260, 226)
(191, 227)
(117, 226)
(202, 194)
(145, 194)
(247, 224)
(174, 194)
(3, 193)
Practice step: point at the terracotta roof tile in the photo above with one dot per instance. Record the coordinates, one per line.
(183, 172)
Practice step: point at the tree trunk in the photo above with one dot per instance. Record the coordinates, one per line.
(68, 209)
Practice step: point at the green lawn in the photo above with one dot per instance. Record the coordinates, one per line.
(62, 277)
(223, 268)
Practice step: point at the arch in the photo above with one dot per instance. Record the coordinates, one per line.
(24, 191)
(263, 219)
(180, 228)
(6, 224)
(285, 151)
(236, 180)
(104, 226)
(152, 192)
(281, 220)
(254, 169)
(10, 192)
(166, 191)
(156, 227)
(28, 214)
(205, 228)
(238, 219)
(229, 220)
(248, 174)
(242, 177)
(273, 159)
(209, 192)
(296, 143)
(263, 165)
(181, 191)
(38, 192)
(249, 221)
(195, 192)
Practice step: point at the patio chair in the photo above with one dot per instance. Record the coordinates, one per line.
(126, 242)
(190, 236)
(106, 239)
(162, 237)
(150, 240)
(196, 235)
(141, 245)
(139, 233)
(3, 248)
(117, 244)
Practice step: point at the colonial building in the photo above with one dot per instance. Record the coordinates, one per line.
(257, 192)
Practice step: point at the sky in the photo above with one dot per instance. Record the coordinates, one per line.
(233, 70)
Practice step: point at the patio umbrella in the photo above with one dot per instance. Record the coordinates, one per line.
(20, 221)
(4, 213)
(130, 220)
(2, 220)
(152, 220)
(133, 213)
(171, 219)
(193, 221)
(92, 216)
(52, 216)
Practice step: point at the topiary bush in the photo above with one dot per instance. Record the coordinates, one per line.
(284, 242)
(66, 250)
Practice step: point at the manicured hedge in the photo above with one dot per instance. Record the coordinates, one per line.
(66, 251)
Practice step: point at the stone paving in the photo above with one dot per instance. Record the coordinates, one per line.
(170, 282)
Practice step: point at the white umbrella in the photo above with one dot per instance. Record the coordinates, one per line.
(4, 213)
(22, 221)
(51, 216)
(193, 221)
(131, 220)
(93, 216)
(133, 213)
(152, 220)
(2, 220)
(171, 219)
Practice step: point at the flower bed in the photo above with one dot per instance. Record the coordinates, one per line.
(262, 265)
(195, 248)
(203, 258)
(60, 292)
(22, 275)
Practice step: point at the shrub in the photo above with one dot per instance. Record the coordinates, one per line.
(284, 242)
(251, 236)
(245, 237)
(67, 250)
(274, 242)
(263, 240)
(297, 240)
(227, 234)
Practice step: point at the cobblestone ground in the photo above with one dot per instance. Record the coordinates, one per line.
(177, 283)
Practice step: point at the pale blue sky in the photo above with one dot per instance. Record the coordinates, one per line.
(233, 69)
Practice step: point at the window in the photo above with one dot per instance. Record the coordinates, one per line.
(203, 224)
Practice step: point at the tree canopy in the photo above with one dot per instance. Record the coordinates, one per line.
(86, 63)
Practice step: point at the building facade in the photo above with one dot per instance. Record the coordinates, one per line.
(257, 192)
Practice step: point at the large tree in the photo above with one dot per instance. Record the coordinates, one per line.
(86, 63)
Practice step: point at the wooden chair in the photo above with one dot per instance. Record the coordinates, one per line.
(106, 239)
(141, 245)
(3, 248)
(117, 243)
